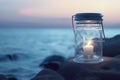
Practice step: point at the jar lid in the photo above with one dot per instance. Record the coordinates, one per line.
(88, 16)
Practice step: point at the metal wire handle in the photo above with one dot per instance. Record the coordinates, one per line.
(103, 31)
(73, 24)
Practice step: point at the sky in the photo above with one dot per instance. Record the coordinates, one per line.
(55, 13)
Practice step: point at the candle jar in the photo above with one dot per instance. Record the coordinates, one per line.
(89, 35)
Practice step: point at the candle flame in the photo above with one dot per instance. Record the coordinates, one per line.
(89, 43)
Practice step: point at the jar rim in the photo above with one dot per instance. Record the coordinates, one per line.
(88, 16)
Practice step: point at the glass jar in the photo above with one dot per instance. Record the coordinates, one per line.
(89, 35)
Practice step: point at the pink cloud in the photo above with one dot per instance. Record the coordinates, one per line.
(44, 12)
(30, 12)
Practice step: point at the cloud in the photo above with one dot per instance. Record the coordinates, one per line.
(41, 10)
(30, 12)
(44, 12)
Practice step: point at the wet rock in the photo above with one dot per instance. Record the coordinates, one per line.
(12, 78)
(48, 74)
(75, 71)
(8, 57)
(3, 77)
(111, 46)
(117, 37)
(108, 75)
(13, 57)
(118, 56)
(53, 62)
(113, 66)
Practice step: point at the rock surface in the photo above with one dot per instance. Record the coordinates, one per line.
(48, 74)
(75, 71)
(13, 57)
(111, 46)
(12, 78)
(3, 77)
(53, 62)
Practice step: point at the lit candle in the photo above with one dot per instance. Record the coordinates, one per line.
(88, 49)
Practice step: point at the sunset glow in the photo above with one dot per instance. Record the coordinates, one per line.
(18, 10)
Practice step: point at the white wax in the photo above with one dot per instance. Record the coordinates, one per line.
(88, 49)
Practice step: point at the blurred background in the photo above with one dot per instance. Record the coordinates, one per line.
(54, 13)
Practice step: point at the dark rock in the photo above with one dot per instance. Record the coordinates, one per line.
(117, 37)
(113, 66)
(53, 66)
(53, 62)
(75, 71)
(48, 74)
(3, 77)
(108, 75)
(12, 57)
(12, 78)
(118, 56)
(111, 46)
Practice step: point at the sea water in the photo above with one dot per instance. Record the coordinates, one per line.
(23, 50)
